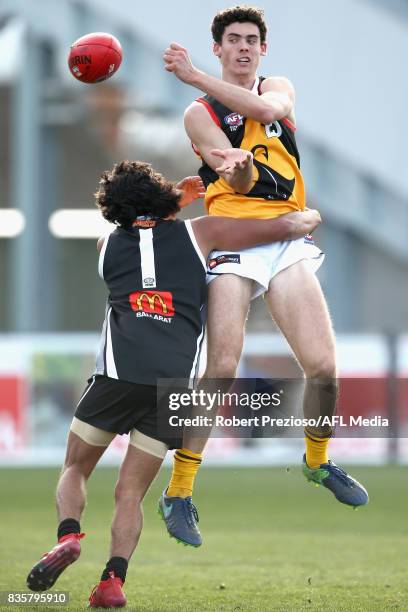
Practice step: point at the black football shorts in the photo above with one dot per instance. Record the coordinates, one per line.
(118, 406)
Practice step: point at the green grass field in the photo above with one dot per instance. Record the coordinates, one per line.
(271, 542)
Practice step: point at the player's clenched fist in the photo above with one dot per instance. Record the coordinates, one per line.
(177, 60)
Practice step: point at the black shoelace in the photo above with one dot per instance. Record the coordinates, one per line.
(340, 473)
(191, 509)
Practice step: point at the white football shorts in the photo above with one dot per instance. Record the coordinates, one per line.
(263, 262)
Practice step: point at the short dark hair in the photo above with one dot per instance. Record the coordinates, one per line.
(133, 189)
(240, 14)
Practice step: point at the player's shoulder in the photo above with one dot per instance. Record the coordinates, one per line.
(277, 83)
(196, 111)
(198, 117)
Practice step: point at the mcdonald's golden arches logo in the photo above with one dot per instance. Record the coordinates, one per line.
(152, 302)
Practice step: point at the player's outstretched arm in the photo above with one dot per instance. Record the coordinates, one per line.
(192, 188)
(234, 165)
(277, 104)
(237, 234)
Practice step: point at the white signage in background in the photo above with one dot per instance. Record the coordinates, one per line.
(9, 437)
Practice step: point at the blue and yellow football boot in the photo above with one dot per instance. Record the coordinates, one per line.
(346, 489)
(181, 518)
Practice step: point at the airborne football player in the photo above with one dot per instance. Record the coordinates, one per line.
(242, 111)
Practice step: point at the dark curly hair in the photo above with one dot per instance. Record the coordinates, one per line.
(132, 189)
(240, 14)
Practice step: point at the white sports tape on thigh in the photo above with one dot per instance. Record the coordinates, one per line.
(90, 434)
(147, 444)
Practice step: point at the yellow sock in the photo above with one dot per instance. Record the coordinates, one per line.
(185, 468)
(316, 451)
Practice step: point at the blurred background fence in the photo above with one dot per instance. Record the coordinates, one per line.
(42, 377)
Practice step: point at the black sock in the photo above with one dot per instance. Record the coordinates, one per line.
(118, 565)
(67, 526)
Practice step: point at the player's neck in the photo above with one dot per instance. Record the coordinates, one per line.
(245, 81)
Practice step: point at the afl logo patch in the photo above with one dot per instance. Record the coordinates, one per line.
(234, 121)
(273, 130)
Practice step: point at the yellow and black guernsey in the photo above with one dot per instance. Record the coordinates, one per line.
(278, 186)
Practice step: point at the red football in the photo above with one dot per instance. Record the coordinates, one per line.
(94, 57)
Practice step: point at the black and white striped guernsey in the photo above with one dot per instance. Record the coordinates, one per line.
(153, 324)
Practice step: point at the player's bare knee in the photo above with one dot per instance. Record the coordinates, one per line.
(224, 366)
(323, 368)
(80, 463)
(126, 493)
(76, 468)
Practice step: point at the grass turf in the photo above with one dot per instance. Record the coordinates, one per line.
(271, 542)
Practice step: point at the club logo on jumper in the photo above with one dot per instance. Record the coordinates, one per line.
(144, 222)
(222, 259)
(273, 130)
(156, 305)
(234, 121)
(309, 239)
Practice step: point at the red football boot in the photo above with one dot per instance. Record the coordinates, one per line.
(52, 564)
(108, 593)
